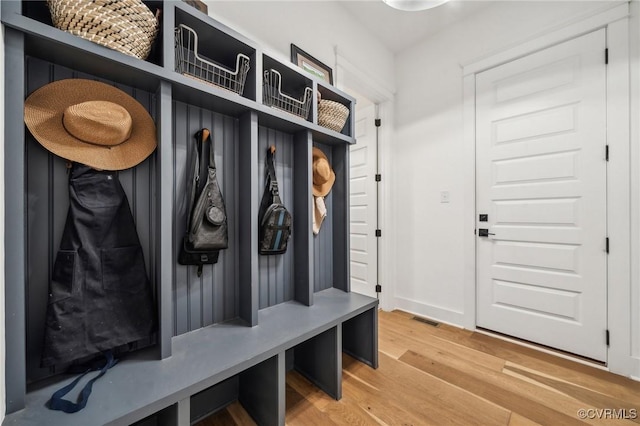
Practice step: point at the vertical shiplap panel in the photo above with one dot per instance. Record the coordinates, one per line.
(340, 207)
(327, 272)
(126, 177)
(330, 241)
(323, 242)
(47, 205)
(137, 183)
(227, 158)
(143, 187)
(211, 298)
(276, 271)
(58, 178)
(195, 283)
(286, 272)
(40, 257)
(215, 287)
(47, 200)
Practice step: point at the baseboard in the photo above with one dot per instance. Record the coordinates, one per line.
(437, 313)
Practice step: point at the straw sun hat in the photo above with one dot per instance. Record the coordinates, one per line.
(91, 123)
(323, 175)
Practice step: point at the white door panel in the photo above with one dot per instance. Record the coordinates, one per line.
(541, 178)
(537, 277)
(363, 198)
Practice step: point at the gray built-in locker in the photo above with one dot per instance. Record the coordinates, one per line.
(226, 333)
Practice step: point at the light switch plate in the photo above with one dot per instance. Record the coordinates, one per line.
(444, 196)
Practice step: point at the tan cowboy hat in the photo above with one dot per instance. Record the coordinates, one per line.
(323, 175)
(91, 123)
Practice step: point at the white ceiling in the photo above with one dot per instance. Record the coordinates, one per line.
(398, 30)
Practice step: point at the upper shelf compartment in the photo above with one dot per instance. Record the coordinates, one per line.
(286, 89)
(334, 110)
(43, 40)
(214, 57)
(132, 30)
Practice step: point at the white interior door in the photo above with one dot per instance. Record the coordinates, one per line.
(541, 179)
(363, 197)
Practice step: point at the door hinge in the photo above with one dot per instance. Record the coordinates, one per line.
(607, 336)
(378, 122)
(606, 56)
(378, 177)
(606, 152)
(607, 245)
(378, 232)
(378, 288)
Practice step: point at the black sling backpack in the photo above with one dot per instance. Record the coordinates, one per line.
(206, 232)
(274, 218)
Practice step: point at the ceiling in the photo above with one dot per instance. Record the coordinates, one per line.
(398, 30)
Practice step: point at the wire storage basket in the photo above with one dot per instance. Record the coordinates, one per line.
(127, 26)
(192, 64)
(272, 96)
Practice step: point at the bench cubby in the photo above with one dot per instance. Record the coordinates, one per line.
(231, 333)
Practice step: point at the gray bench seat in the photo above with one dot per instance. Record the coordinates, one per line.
(141, 385)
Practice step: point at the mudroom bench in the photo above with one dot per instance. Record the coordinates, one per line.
(214, 366)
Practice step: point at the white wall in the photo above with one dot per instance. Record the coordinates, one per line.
(429, 148)
(317, 27)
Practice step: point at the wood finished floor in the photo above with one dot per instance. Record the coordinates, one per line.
(447, 376)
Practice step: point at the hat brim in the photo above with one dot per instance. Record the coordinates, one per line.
(43, 112)
(323, 189)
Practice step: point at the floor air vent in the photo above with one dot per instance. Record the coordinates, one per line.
(427, 321)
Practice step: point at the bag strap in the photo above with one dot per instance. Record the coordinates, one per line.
(270, 170)
(58, 403)
(201, 136)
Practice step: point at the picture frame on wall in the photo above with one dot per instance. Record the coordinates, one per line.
(311, 64)
(198, 4)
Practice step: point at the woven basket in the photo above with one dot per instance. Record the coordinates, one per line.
(332, 115)
(127, 26)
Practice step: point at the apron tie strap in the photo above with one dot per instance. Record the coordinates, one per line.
(58, 403)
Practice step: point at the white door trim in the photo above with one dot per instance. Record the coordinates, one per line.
(382, 96)
(618, 175)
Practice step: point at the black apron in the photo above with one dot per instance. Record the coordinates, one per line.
(99, 295)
